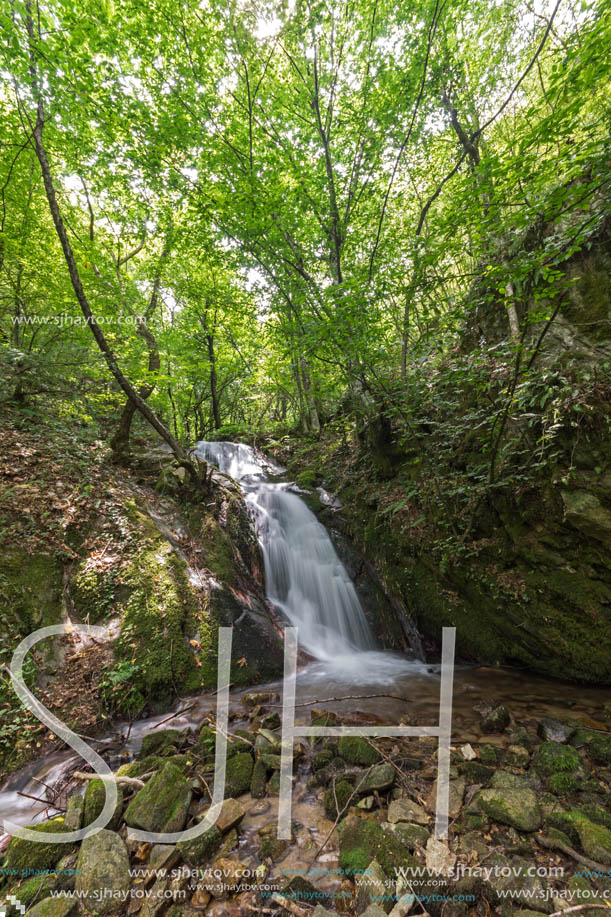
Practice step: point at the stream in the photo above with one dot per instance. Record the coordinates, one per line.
(310, 587)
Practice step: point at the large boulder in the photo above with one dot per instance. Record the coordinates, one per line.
(31, 855)
(163, 804)
(103, 878)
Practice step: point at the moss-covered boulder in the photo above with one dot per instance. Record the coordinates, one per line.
(258, 780)
(594, 839)
(361, 841)
(161, 743)
(512, 804)
(201, 849)
(95, 797)
(381, 777)
(23, 854)
(552, 758)
(496, 721)
(336, 798)
(238, 774)
(163, 804)
(356, 750)
(103, 873)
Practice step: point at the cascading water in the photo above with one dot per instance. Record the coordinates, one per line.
(305, 578)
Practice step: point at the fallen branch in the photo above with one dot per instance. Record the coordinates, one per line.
(580, 907)
(552, 844)
(290, 906)
(328, 700)
(128, 781)
(45, 802)
(174, 715)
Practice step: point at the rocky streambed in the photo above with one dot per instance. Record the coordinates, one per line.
(530, 827)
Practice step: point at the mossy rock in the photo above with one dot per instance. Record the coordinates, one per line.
(258, 780)
(35, 889)
(273, 848)
(161, 743)
(563, 784)
(361, 841)
(238, 774)
(600, 749)
(596, 814)
(488, 755)
(336, 798)
(93, 592)
(306, 479)
(55, 907)
(141, 767)
(321, 759)
(23, 854)
(552, 758)
(163, 804)
(411, 835)
(474, 772)
(103, 867)
(356, 750)
(564, 822)
(95, 797)
(515, 806)
(594, 839)
(200, 850)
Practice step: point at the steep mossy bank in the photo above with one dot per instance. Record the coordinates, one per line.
(160, 568)
(489, 507)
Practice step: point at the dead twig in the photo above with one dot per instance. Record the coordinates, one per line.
(128, 781)
(45, 802)
(552, 844)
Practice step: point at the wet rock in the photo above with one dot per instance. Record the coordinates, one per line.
(199, 850)
(380, 778)
(103, 865)
(551, 730)
(322, 758)
(231, 814)
(273, 848)
(95, 797)
(162, 743)
(230, 842)
(406, 810)
(356, 750)
(258, 698)
(373, 885)
(74, 813)
(202, 897)
(163, 804)
(496, 721)
(238, 774)
(163, 856)
(600, 749)
(258, 780)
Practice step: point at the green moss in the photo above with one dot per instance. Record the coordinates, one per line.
(35, 889)
(356, 750)
(273, 848)
(163, 803)
(564, 822)
(200, 849)
(595, 840)
(158, 615)
(336, 798)
(93, 593)
(258, 780)
(306, 479)
(563, 784)
(24, 854)
(600, 749)
(238, 774)
(321, 759)
(488, 755)
(552, 758)
(474, 772)
(95, 797)
(361, 841)
(161, 743)
(143, 766)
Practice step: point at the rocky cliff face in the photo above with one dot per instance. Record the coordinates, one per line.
(520, 567)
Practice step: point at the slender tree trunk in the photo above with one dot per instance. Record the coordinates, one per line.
(213, 389)
(110, 358)
(120, 442)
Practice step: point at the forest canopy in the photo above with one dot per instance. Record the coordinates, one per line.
(282, 214)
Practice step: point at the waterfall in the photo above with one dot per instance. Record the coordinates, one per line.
(305, 578)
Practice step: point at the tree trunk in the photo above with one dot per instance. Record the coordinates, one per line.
(111, 360)
(213, 390)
